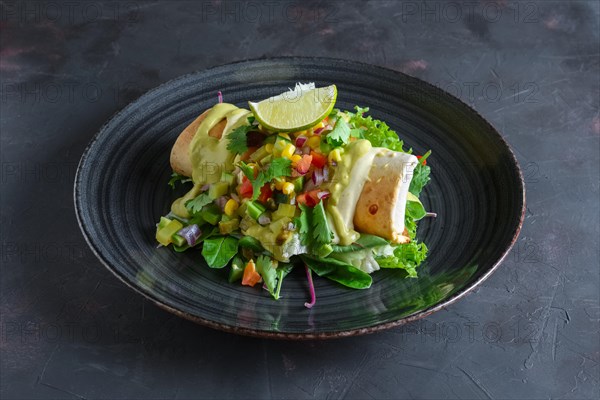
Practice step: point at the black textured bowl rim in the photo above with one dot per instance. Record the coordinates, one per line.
(319, 335)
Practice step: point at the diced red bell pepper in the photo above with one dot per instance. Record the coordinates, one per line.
(318, 160)
(309, 199)
(265, 193)
(245, 188)
(303, 165)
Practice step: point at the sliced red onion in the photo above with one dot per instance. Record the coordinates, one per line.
(221, 201)
(264, 219)
(291, 226)
(298, 151)
(318, 131)
(235, 197)
(190, 233)
(306, 150)
(323, 194)
(325, 173)
(317, 176)
(293, 201)
(300, 140)
(334, 163)
(311, 289)
(220, 96)
(205, 188)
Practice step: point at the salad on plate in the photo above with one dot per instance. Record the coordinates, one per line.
(293, 181)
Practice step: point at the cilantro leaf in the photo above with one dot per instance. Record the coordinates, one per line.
(279, 167)
(302, 224)
(238, 141)
(322, 234)
(340, 133)
(195, 205)
(175, 177)
(267, 270)
(313, 227)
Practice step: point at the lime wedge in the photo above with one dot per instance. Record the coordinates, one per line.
(297, 109)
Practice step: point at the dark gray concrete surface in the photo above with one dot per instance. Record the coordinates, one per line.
(69, 329)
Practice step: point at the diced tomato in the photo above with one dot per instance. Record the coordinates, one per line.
(303, 165)
(318, 160)
(245, 188)
(424, 162)
(312, 198)
(309, 199)
(301, 199)
(250, 277)
(265, 193)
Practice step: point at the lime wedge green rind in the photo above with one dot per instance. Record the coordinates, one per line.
(296, 110)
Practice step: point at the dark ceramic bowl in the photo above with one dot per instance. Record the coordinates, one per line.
(476, 189)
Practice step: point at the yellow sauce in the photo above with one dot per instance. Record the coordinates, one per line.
(208, 154)
(348, 180)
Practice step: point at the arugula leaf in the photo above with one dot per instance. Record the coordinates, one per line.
(175, 177)
(365, 241)
(266, 268)
(338, 271)
(195, 205)
(218, 251)
(238, 140)
(322, 234)
(340, 133)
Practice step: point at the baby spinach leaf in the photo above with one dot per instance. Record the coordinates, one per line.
(219, 250)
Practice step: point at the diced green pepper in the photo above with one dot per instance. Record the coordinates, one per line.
(226, 227)
(163, 222)
(255, 209)
(281, 198)
(178, 240)
(278, 225)
(237, 269)
(259, 154)
(324, 250)
(298, 184)
(211, 214)
(164, 235)
(266, 159)
(218, 189)
(284, 210)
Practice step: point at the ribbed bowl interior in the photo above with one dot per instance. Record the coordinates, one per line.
(476, 188)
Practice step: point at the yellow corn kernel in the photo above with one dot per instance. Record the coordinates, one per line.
(231, 207)
(334, 156)
(288, 188)
(288, 151)
(296, 158)
(314, 142)
(279, 182)
(319, 125)
(269, 148)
